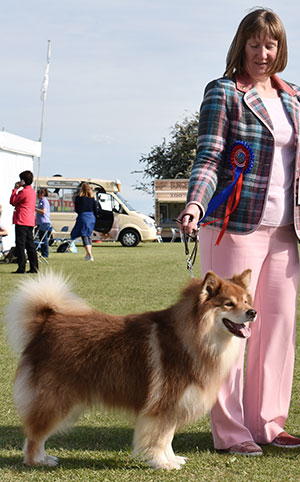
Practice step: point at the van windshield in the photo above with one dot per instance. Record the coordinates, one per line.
(125, 202)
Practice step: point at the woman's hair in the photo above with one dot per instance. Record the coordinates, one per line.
(27, 177)
(258, 21)
(85, 190)
(44, 191)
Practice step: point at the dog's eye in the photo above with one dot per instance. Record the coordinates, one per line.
(229, 304)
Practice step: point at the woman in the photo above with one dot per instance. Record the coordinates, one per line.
(43, 220)
(252, 116)
(86, 208)
(23, 198)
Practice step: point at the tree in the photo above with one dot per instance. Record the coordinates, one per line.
(173, 159)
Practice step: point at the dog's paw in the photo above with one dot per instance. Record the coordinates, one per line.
(164, 463)
(50, 461)
(47, 460)
(180, 460)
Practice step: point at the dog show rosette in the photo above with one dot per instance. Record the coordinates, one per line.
(241, 160)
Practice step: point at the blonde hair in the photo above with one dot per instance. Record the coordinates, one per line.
(85, 190)
(256, 22)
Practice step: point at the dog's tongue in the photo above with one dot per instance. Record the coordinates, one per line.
(237, 329)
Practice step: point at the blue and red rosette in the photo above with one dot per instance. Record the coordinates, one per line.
(241, 160)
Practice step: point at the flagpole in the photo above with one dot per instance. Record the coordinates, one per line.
(43, 99)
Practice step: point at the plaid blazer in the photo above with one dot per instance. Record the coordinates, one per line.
(233, 111)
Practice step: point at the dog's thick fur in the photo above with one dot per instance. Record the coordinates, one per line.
(166, 366)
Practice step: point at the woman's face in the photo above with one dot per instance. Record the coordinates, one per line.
(260, 55)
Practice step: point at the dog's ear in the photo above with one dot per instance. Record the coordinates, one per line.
(244, 279)
(211, 284)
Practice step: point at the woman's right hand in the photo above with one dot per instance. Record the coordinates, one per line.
(188, 219)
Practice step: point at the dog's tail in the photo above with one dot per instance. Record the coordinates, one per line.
(34, 301)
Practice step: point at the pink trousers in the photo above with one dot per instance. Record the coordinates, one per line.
(257, 408)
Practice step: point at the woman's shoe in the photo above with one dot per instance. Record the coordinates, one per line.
(89, 258)
(286, 441)
(245, 448)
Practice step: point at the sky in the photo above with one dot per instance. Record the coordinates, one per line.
(121, 74)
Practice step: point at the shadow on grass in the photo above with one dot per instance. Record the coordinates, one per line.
(99, 439)
(102, 438)
(98, 462)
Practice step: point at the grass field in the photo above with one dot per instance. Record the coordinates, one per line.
(123, 280)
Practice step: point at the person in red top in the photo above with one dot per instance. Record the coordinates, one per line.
(23, 198)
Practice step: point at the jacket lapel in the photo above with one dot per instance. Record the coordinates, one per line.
(254, 102)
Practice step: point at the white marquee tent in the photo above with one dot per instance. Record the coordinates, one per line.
(16, 155)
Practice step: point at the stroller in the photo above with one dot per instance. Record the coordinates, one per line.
(9, 256)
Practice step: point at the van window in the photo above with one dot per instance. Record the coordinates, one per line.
(108, 203)
(61, 200)
(126, 203)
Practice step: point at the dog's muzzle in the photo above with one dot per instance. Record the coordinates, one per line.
(241, 330)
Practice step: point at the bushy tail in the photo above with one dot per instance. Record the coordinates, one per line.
(47, 292)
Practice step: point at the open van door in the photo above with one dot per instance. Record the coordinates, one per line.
(106, 221)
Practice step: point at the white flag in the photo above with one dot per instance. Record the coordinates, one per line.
(46, 75)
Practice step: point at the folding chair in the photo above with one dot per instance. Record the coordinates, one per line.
(63, 236)
(1, 248)
(158, 234)
(39, 242)
(176, 233)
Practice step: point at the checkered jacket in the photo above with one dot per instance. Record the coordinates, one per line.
(233, 111)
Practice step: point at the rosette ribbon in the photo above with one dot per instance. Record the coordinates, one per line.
(241, 160)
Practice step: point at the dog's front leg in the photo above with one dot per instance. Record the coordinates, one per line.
(153, 442)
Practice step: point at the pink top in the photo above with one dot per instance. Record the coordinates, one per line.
(24, 202)
(279, 207)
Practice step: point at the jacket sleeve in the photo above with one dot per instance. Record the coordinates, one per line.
(211, 144)
(16, 197)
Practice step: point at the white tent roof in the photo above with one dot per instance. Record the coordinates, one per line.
(19, 145)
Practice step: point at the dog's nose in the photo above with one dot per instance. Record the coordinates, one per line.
(251, 314)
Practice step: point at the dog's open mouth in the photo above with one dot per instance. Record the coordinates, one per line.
(237, 329)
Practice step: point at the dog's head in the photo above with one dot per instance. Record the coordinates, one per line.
(229, 301)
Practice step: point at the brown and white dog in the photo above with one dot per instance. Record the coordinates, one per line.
(166, 367)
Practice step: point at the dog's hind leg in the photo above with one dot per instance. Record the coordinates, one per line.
(44, 412)
(39, 423)
(38, 427)
(153, 442)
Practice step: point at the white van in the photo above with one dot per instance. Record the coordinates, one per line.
(117, 220)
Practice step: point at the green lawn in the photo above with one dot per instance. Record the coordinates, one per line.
(123, 280)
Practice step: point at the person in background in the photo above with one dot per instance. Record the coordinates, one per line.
(23, 198)
(3, 231)
(43, 219)
(249, 118)
(86, 208)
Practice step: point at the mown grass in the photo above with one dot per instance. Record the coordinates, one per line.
(98, 448)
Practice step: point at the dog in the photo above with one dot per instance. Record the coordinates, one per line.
(165, 367)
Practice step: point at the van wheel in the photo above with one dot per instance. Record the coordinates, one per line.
(129, 238)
